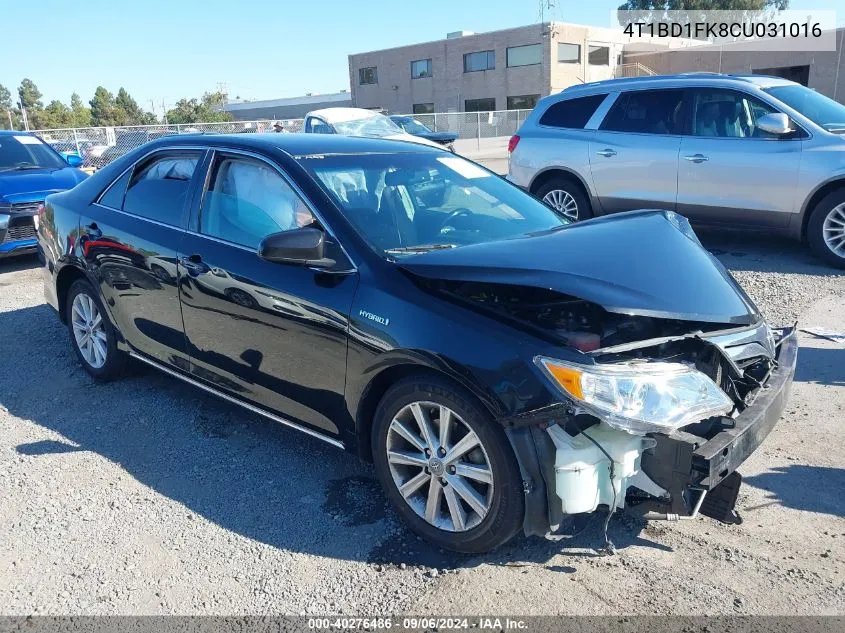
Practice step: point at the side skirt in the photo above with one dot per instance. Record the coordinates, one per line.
(320, 436)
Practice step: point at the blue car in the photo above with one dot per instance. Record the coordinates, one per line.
(30, 170)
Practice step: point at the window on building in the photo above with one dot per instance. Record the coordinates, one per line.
(421, 68)
(483, 60)
(368, 75)
(423, 108)
(480, 105)
(572, 113)
(646, 112)
(523, 102)
(528, 55)
(599, 56)
(568, 53)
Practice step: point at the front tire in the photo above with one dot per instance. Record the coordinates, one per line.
(566, 196)
(826, 228)
(92, 335)
(446, 466)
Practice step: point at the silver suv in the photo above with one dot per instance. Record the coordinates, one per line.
(743, 151)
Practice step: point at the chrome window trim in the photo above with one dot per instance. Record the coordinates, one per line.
(316, 434)
(290, 182)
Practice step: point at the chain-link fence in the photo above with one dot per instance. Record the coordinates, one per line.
(99, 146)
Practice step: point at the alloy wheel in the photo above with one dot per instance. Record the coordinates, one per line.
(440, 466)
(563, 202)
(89, 330)
(833, 230)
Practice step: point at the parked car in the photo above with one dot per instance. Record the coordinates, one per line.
(358, 122)
(502, 367)
(743, 151)
(412, 126)
(29, 170)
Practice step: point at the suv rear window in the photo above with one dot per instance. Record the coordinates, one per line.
(646, 112)
(572, 113)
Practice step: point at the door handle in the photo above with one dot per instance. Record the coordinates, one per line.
(607, 153)
(194, 264)
(696, 158)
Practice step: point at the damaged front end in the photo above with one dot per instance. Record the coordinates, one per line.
(665, 375)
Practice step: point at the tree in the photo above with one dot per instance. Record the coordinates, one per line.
(80, 116)
(656, 8)
(129, 112)
(6, 107)
(55, 115)
(30, 95)
(199, 111)
(104, 111)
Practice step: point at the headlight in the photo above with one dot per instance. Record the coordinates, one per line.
(643, 397)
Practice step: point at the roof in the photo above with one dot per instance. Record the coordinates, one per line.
(339, 115)
(233, 106)
(297, 144)
(15, 133)
(666, 81)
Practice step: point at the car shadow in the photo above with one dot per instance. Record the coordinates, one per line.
(762, 251)
(800, 487)
(821, 365)
(19, 263)
(238, 470)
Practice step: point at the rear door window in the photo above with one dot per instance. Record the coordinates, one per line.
(572, 113)
(159, 187)
(647, 112)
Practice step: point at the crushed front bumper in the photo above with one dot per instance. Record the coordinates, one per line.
(683, 463)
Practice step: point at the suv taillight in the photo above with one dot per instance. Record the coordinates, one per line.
(513, 143)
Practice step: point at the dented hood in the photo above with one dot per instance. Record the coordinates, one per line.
(637, 263)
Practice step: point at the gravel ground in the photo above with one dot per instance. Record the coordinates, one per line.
(146, 496)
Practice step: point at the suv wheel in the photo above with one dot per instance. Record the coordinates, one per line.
(93, 336)
(565, 196)
(446, 467)
(826, 229)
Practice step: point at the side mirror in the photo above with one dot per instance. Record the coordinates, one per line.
(73, 160)
(774, 123)
(303, 247)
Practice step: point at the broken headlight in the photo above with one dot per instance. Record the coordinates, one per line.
(645, 397)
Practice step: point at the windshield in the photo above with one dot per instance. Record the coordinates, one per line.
(821, 110)
(414, 127)
(378, 125)
(412, 202)
(21, 152)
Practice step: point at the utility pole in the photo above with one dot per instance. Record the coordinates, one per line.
(163, 112)
(11, 125)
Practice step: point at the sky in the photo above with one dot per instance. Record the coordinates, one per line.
(161, 51)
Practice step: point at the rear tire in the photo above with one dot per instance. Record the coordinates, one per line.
(468, 501)
(92, 334)
(826, 228)
(566, 196)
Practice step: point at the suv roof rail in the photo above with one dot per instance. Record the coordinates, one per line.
(747, 77)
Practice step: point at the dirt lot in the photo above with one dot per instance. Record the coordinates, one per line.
(147, 496)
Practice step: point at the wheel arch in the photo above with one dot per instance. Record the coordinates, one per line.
(545, 175)
(837, 182)
(378, 385)
(64, 280)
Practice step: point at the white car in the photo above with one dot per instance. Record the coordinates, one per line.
(359, 122)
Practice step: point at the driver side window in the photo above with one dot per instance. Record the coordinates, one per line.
(247, 200)
(727, 114)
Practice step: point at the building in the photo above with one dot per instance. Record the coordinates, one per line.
(823, 71)
(290, 108)
(500, 70)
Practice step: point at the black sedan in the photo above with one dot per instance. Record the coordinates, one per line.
(412, 126)
(502, 368)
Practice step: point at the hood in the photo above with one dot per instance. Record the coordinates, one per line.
(36, 184)
(439, 137)
(413, 139)
(636, 263)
